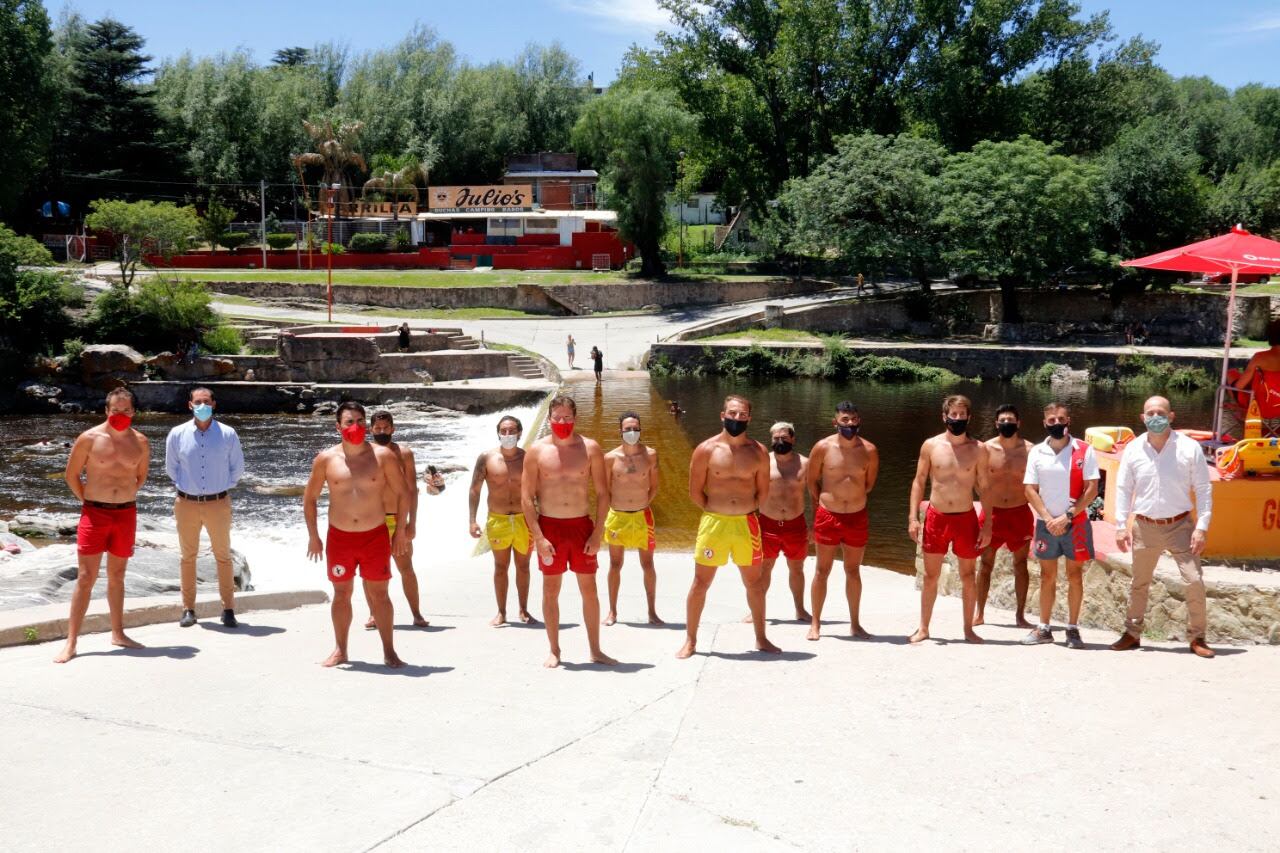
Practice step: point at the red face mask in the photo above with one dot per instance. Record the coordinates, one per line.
(119, 422)
(354, 433)
(562, 429)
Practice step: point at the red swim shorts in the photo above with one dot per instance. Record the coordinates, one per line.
(1011, 526)
(789, 538)
(110, 530)
(568, 536)
(959, 530)
(840, 528)
(366, 550)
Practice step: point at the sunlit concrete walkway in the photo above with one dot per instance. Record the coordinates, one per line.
(241, 741)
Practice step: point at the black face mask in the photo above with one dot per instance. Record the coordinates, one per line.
(1008, 430)
(1056, 430)
(381, 438)
(782, 448)
(734, 427)
(958, 426)
(848, 431)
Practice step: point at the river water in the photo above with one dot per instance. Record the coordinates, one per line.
(279, 449)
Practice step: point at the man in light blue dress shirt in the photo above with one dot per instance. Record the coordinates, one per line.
(204, 460)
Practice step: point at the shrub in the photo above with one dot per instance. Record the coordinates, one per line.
(158, 315)
(223, 340)
(32, 314)
(25, 251)
(73, 348)
(331, 249)
(368, 242)
(1042, 375)
(834, 361)
(232, 240)
(401, 240)
(281, 241)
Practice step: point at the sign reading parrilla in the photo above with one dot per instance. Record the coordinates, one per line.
(483, 199)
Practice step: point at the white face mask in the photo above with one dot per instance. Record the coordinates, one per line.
(508, 441)
(631, 436)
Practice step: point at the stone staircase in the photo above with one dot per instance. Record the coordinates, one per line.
(461, 341)
(563, 299)
(524, 367)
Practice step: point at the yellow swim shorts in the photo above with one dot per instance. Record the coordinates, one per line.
(507, 531)
(722, 537)
(630, 529)
(391, 524)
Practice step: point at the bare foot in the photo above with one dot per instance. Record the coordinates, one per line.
(746, 620)
(1021, 622)
(371, 625)
(654, 620)
(978, 620)
(611, 619)
(857, 632)
(802, 616)
(766, 646)
(392, 660)
(500, 619)
(527, 618)
(919, 636)
(687, 650)
(814, 633)
(971, 637)
(67, 653)
(601, 657)
(334, 659)
(552, 661)
(419, 622)
(124, 642)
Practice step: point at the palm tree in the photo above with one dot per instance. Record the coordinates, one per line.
(396, 178)
(335, 152)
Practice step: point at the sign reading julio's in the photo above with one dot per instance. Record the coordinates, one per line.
(484, 199)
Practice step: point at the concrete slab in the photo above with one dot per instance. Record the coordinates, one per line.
(238, 738)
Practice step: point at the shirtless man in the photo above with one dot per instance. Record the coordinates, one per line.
(728, 481)
(842, 472)
(559, 473)
(384, 426)
(957, 465)
(112, 457)
(783, 527)
(1013, 522)
(632, 470)
(363, 480)
(501, 469)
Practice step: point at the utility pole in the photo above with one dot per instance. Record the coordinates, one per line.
(328, 248)
(262, 212)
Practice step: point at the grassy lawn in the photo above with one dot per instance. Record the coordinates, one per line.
(440, 278)
(792, 335)
(697, 238)
(1272, 288)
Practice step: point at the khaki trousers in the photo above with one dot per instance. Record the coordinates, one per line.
(215, 518)
(1149, 540)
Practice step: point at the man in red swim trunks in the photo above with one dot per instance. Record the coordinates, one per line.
(957, 466)
(112, 459)
(1012, 522)
(559, 473)
(842, 472)
(783, 528)
(364, 480)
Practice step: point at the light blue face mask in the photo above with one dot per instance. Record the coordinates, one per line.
(1157, 424)
(202, 411)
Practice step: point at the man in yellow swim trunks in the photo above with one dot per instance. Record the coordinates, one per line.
(728, 480)
(384, 427)
(632, 469)
(502, 469)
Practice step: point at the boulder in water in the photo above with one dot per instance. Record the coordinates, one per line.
(102, 366)
(44, 525)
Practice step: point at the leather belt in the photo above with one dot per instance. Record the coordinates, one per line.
(202, 498)
(1162, 522)
(105, 505)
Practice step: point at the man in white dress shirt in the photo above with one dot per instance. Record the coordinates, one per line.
(204, 460)
(1158, 472)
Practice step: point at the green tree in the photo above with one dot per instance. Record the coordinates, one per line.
(142, 228)
(336, 155)
(872, 206)
(634, 137)
(217, 218)
(159, 314)
(1249, 196)
(32, 303)
(1017, 212)
(291, 56)
(27, 96)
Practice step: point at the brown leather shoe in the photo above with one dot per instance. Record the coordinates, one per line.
(1201, 648)
(1127, 641)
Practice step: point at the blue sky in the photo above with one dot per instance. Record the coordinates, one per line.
(1232, 41)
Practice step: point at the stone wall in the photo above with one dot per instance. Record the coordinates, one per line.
(1244, 607)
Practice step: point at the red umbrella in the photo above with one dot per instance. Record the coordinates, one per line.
(1235, 252)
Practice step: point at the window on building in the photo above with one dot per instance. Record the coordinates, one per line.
(505, 227)
(547, 225)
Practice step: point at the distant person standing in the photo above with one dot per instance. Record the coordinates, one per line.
(571, 348)
(862, 283)
(597, 362)
(405, 335)
(1158, 471)
(204, 460)
(112, 459)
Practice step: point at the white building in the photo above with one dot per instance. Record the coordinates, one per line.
(698, 209)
